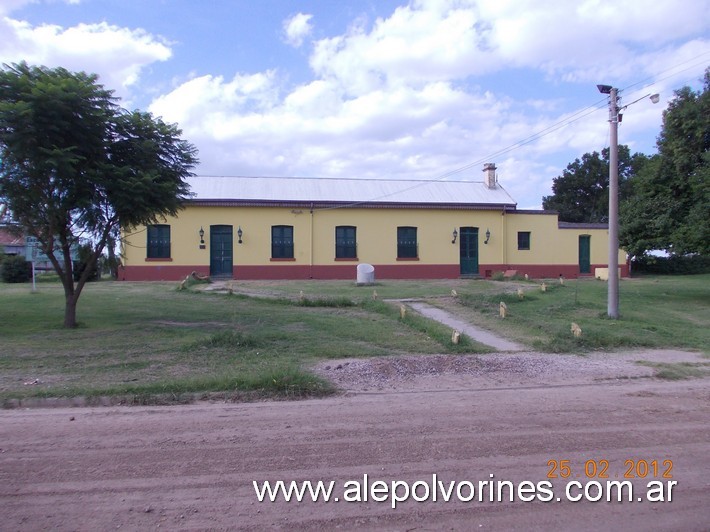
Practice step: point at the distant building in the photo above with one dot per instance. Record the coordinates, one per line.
(308, 228)
(11, 243)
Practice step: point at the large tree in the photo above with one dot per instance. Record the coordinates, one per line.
(670, 205)
(75, 166)
(581, 193)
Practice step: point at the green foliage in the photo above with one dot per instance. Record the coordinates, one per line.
(670, 202)
(336, 302)
(675, 264)
(73, 163)
(15, 269)
(84, 262)
(581, 193)
(679, 370)
(288, 382)
(229, 339)
(191, 281)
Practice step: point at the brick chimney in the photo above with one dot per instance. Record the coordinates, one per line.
(490, 179)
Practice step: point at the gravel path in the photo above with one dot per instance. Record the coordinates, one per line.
(476, 333)
(495, 370)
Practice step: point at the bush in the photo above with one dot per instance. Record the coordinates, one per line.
(79, 266)
(326, 302)
(15, 269)
(673, 265)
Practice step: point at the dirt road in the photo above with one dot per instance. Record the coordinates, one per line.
(192, 467)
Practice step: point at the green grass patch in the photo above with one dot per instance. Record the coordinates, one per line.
(656, 312)
(432, 330)
(226, 339)
(334, 302)
(679, 370)
(145, 339)
(288, 382)
(139, 339)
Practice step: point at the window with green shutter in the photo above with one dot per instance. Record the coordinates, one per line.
(345, 242)
(524, 240)
(281, 241)
(158, 242)
(407, 243)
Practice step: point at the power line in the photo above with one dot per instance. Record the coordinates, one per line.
(574, 117)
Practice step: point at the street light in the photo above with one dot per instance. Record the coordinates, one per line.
(614, 119)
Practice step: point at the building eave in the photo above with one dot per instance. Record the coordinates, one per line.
(319, 205)
(573, 225)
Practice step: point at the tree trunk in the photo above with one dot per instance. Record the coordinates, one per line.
(70, 312)
(112, 262)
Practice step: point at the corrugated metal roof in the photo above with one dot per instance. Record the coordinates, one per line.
(11, 238)
(575, 225)
(344, 191)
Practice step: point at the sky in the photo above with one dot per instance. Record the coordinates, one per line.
(390, 89)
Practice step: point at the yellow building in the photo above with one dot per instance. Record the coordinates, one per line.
(307, 228)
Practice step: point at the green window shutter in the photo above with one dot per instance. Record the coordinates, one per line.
(158, 246)
(523, 240)
(282, 241)
(407, 243)
(345, 242)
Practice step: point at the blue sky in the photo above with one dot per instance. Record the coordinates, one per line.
(390, 88)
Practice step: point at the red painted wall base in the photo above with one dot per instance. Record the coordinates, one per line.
(164, 272)
(547, 271)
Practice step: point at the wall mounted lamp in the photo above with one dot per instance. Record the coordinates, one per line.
(202, 238)
(488, 236)
(239, 234)
(455, 233)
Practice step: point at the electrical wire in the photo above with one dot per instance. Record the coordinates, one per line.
(574, 117)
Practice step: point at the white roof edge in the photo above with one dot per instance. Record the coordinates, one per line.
(346, 190)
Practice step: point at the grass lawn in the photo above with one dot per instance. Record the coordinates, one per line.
(148, 340)
(655, 312)
(143, 339)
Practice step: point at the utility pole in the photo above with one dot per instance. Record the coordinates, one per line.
(614, 118)
(612, 304)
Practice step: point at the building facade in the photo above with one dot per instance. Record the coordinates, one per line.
(304, 228)
(11, 243)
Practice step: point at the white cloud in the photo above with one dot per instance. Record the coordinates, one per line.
(297, 28)
(117, 54)
(8, 6)
(397, 100)
(434, 86)
(208, 103)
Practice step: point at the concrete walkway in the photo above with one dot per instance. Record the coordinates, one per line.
(473, 332)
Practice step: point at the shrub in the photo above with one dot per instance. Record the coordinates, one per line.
(85, 252)
(229, 339)
(79, 268)
(326, 302)
(673, 265)
(15, 269)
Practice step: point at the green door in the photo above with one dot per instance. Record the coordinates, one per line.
(221, 245)
(468, 245)
(584, 247)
